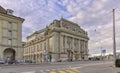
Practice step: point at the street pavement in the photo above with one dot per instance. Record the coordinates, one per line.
(62, 67)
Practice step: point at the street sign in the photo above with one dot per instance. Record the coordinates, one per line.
(103, 51)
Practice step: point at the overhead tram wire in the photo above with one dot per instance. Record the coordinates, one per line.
(103, 15)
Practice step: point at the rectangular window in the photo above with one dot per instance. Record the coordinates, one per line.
(34, 48)
(9, 33)
(37, 48)
(9, 41)
(41, 47)
(45, 46)
(9, 25)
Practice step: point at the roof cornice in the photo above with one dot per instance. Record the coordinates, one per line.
(12, 16)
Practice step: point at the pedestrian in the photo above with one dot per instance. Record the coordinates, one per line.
(46, 56)
(50, 57)
(8, 60)
(71, 55)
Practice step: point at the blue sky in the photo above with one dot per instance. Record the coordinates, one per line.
(95, 16)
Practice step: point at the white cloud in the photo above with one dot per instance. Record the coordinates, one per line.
(99, 17)
(89, 14)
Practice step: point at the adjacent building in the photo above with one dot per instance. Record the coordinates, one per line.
(10, 35)
(61, 40)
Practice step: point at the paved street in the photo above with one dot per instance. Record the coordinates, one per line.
(63, 67)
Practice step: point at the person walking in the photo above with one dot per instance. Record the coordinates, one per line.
(50, 57)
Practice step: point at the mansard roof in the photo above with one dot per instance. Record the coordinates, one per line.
(2, 10)
(37, 32)
(62, 19)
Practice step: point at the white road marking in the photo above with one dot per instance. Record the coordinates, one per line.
(47, 70)
(89, 65)
(29, 72)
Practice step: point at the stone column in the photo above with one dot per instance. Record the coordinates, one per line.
(62, 47)
(56, 46)
(64, 43)
(73, 46)
(47, 44)
(79, 49)
(86, 50)
(66, 47)
(61, 44)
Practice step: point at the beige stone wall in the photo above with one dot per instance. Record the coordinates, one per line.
(55, 44)
(16, 36)
(0, 31)
(30, 38)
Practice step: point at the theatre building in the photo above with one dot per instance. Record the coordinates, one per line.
(61, 40)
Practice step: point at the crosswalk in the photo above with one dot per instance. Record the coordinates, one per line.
(58, 71)
(63, 71)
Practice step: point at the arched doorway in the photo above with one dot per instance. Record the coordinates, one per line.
(9, 52)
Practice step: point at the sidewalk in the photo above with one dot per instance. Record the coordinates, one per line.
(102, 68)
(116, 69)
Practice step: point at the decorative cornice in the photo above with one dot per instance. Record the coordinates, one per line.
(9, 37)
(10, 46)
(9, 29)
(11, 16)
(37, 40)
(71, 32)
(62, 19)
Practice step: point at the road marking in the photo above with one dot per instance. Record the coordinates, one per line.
(89, 65)
(76, 70)
(41, 71)
(52, 72)
(62, 71)
(47, 70)
(70, 71)
(29, 72)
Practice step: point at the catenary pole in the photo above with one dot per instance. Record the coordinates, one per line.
(114, 39)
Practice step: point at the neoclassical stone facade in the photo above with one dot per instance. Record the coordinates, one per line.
(61, 39)
(10, 35)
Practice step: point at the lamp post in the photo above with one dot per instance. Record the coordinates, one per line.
(100, 42)
(114, 40)
(101, 53)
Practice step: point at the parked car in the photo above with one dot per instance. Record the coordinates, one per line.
(2, 62)
(21, 62)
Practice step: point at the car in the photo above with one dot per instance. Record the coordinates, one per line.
(2, 62)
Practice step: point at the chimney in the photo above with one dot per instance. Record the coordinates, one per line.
(10, 12)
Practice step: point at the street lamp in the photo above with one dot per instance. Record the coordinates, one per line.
(101, 53)
(100, 42)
